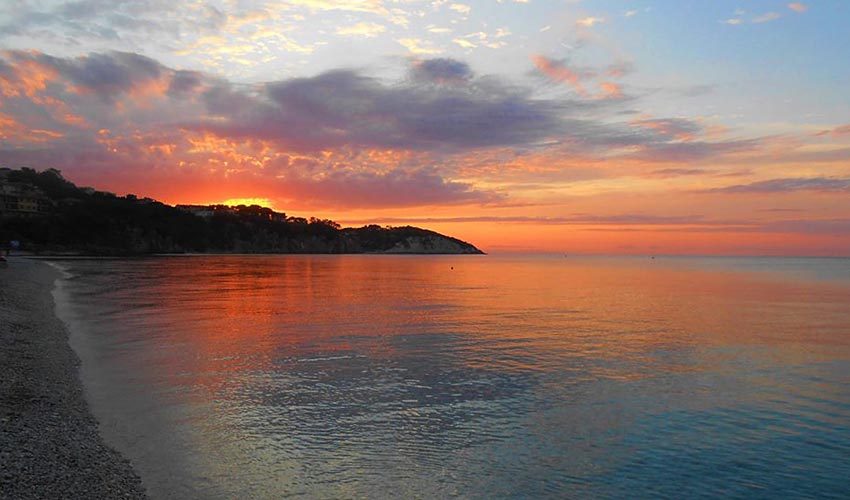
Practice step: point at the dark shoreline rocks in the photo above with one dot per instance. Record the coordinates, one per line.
(50, 446)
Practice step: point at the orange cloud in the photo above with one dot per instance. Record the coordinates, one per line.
(204, 140)
(842, 130)
(29, 77)
(611, 90)
(8, 126)
(558, 72)
(683, 130)
(798, 7)
(835, 132)
(18, 133)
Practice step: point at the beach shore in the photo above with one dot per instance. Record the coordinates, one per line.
(49, 441)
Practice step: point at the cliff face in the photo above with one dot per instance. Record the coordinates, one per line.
(91, 222)
(403, 240)
(432, 244)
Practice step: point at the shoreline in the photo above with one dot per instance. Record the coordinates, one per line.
(50, 444)
(89, 256)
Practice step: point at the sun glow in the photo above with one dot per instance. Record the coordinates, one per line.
(263, 202)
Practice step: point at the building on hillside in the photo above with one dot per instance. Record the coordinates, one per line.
(22, 200)
(198, 210)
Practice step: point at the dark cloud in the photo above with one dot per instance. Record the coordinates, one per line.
(128, 114)
(224, 100)
(396, 187)
(344, 108)
(72, 155)
(441, 70)
(683, 152)
(108, 74)
(184, 82)
(790, 185)
(105, 74)
(7, 71)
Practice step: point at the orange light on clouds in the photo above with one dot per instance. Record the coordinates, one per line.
(572, 144)
(558, 72)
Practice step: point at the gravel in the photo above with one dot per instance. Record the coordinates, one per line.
(49, 441)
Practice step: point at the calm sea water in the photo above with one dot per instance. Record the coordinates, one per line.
(473, 376)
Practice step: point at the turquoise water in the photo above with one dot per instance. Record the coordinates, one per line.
(472, 376)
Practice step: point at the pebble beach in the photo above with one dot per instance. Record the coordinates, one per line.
(50, 446)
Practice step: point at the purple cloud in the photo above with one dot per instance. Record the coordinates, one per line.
(396, 187)
(107, 74)
(684, 152)
(344, 108)
(115, 114)
(441, 70)
(789, 185)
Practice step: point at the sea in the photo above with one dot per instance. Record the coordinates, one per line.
(513, 376)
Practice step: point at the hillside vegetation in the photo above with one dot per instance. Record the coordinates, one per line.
(82, 220)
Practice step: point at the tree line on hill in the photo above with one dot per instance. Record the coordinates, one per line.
(86, 221)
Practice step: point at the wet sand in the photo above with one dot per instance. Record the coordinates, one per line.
(49, 441)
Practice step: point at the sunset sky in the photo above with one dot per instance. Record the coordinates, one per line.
(693, 127)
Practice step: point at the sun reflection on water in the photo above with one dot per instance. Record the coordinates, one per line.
(379, 376)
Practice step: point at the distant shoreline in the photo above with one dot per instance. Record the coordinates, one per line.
(50, 445)
(71, 220)
(87, 256)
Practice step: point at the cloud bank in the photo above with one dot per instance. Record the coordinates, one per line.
(338, 138)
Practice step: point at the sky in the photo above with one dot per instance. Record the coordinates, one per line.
(568, 126)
